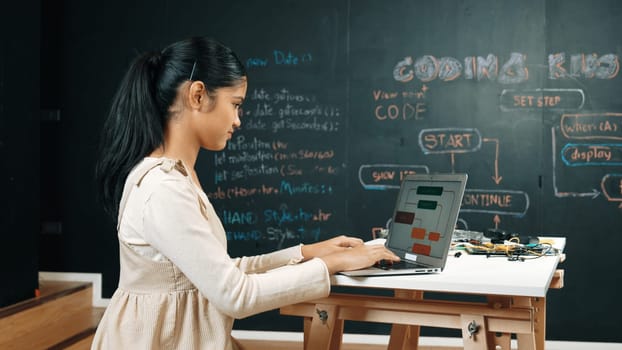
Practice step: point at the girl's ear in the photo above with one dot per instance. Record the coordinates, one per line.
(196, 94)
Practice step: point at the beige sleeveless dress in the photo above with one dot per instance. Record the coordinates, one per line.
(178, 287)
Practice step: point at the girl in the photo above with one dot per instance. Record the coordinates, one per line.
(178, 287)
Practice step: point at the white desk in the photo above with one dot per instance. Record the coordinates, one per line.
(515, 292)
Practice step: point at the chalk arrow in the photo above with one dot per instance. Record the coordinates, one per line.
(496, 178)
(559, 194)
(497, 221)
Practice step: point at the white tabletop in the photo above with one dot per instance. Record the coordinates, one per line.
(471, 274)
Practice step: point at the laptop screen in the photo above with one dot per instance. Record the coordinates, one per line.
(425, 217)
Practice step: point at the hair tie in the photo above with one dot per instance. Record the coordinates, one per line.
(155, 59)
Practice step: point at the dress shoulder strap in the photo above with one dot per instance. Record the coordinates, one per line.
(134, 180)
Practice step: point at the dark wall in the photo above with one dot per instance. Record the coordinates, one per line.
(19, 150)
(347, 97)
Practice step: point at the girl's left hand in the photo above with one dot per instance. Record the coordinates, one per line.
(330, 246)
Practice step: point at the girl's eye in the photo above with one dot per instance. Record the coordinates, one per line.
(238, 108)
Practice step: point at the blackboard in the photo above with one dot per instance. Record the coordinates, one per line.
(282, 178)
(346, 97)
(493, 89)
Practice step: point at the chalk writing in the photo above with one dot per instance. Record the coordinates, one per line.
(280, 58)
(306, 187)
(538, 99)
(274, 158)
(593, 193)
(592, 154)
(331, 170)
(300, 233)
(245, 172)
(305, 154)
(290, 170)
(242, 192)
(240, 143)
(282, 109)
(246, 157)
(317, 110)
(253, 235)
(246, 165)
(400, 105)
(241, 218)
(514, 71)
(279, 234)
(289, 58)
(313, 125)
(284, 95)
(592, 126)
(611, 185)
(256, 62)
(584, 66)
(481, 68)
(496, 178)
(405, 111)
(285, 215)
(501, 202)
(384, 95)
(279, 95)
(449, 140)
(260, 156)
(428, 68)
(387, 176)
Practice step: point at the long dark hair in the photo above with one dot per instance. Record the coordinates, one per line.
(139, 113)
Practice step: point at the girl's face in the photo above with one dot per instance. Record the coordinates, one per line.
(220, 117)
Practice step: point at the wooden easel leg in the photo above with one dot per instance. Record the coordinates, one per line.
(337, 336)
(306, 332)
(324, 328)
(526, 341)
(540, 321)
(474, 332)
(405, 337)
(500, 341)
(537, 339)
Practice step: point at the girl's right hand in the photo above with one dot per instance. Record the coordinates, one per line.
(358, 257)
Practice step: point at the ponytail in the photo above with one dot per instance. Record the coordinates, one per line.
(139, 113)
(133, 129)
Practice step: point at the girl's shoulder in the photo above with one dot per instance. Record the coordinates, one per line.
(150, 173)
(154, 175)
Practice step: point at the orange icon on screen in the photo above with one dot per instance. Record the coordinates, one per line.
(417, 233)
(422, 249)
(434, 236)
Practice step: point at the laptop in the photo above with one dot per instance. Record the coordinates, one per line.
(422, 225)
